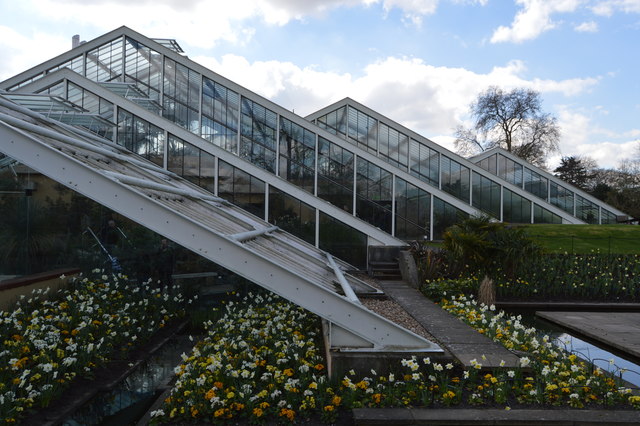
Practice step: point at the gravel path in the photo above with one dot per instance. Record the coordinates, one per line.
(396, 313)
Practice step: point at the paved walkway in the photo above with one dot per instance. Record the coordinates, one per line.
(462, 341)
(620, 330)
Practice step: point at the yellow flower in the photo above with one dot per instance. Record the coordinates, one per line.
(328, 408)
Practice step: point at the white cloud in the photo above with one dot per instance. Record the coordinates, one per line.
(20, 52)
(581, 137)
(587, 27)
(533, 19)
(609, 7)
(427, 99)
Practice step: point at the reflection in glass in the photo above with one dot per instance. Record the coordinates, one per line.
(343, 241)
(512, 172)
(561, 197)
(334, 122)
(542, 215)
(258, 130)
(445, 215)
(363, 130)
(393, 146)
(424, 163)
(516, 209)
(455, 179)
(413, 206)
(535, 183)
(240, 188)
(220, 112)
(373, 201)
(486, 195)
(297, 154)
(140, 137)
(292, 215)
(335, 174)
(586, 210)
(192, 163)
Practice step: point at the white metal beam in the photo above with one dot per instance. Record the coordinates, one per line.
(162, 217)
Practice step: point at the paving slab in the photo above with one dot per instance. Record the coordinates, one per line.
(515, 417)
(619, 330)
(462, 341)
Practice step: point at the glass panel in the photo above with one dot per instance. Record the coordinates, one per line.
(535, 183)
(334, 122)
(343, 241)
(486, 195)
(175, 158)
(335, 174)
(586, 210)
(191, 170)
(444, 215)
(220, 110)
(140, 137)
(542, 215)
(424, 163)
(489, 164)
(413, 207)
(511, 171)
(192, 163)
(297, 154)
(608, 217)
(240, 188)
(561, 197)
(363, 130)
(181, 95)
(455, 179)
(105, 62)
(393, 146)
(143, 67)
(258, 130)
(292, 215)
(516, 209)
(373, 201)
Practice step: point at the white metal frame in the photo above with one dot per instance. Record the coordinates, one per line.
(193, 223)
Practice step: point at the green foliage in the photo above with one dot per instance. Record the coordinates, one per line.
(445, 287)
(479, 246)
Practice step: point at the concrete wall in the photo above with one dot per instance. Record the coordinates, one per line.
(12, 289)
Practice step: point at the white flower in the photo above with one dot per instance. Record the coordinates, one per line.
(157, 413)
(524, 361)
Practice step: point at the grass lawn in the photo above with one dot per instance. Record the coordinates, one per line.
(618, 239)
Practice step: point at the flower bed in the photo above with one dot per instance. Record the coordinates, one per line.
(49, 339)
(260, 362)
(555, 377)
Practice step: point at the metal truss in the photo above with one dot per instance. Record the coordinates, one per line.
(208, 226)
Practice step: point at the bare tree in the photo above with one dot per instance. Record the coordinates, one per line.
(513, 121)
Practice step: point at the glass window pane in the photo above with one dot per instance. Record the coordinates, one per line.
(292, 215)
(240, 188)
(486, 195)
(343, 241)
(413, 209)
(516, 209)
(373, 200)
(445, 215)
(455, 179)
(535, 183)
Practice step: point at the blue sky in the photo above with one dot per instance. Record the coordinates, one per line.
(419, 62)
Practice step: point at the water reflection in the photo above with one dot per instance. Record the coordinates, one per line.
(603, 359)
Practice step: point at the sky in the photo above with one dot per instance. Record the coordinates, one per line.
(418, 62)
